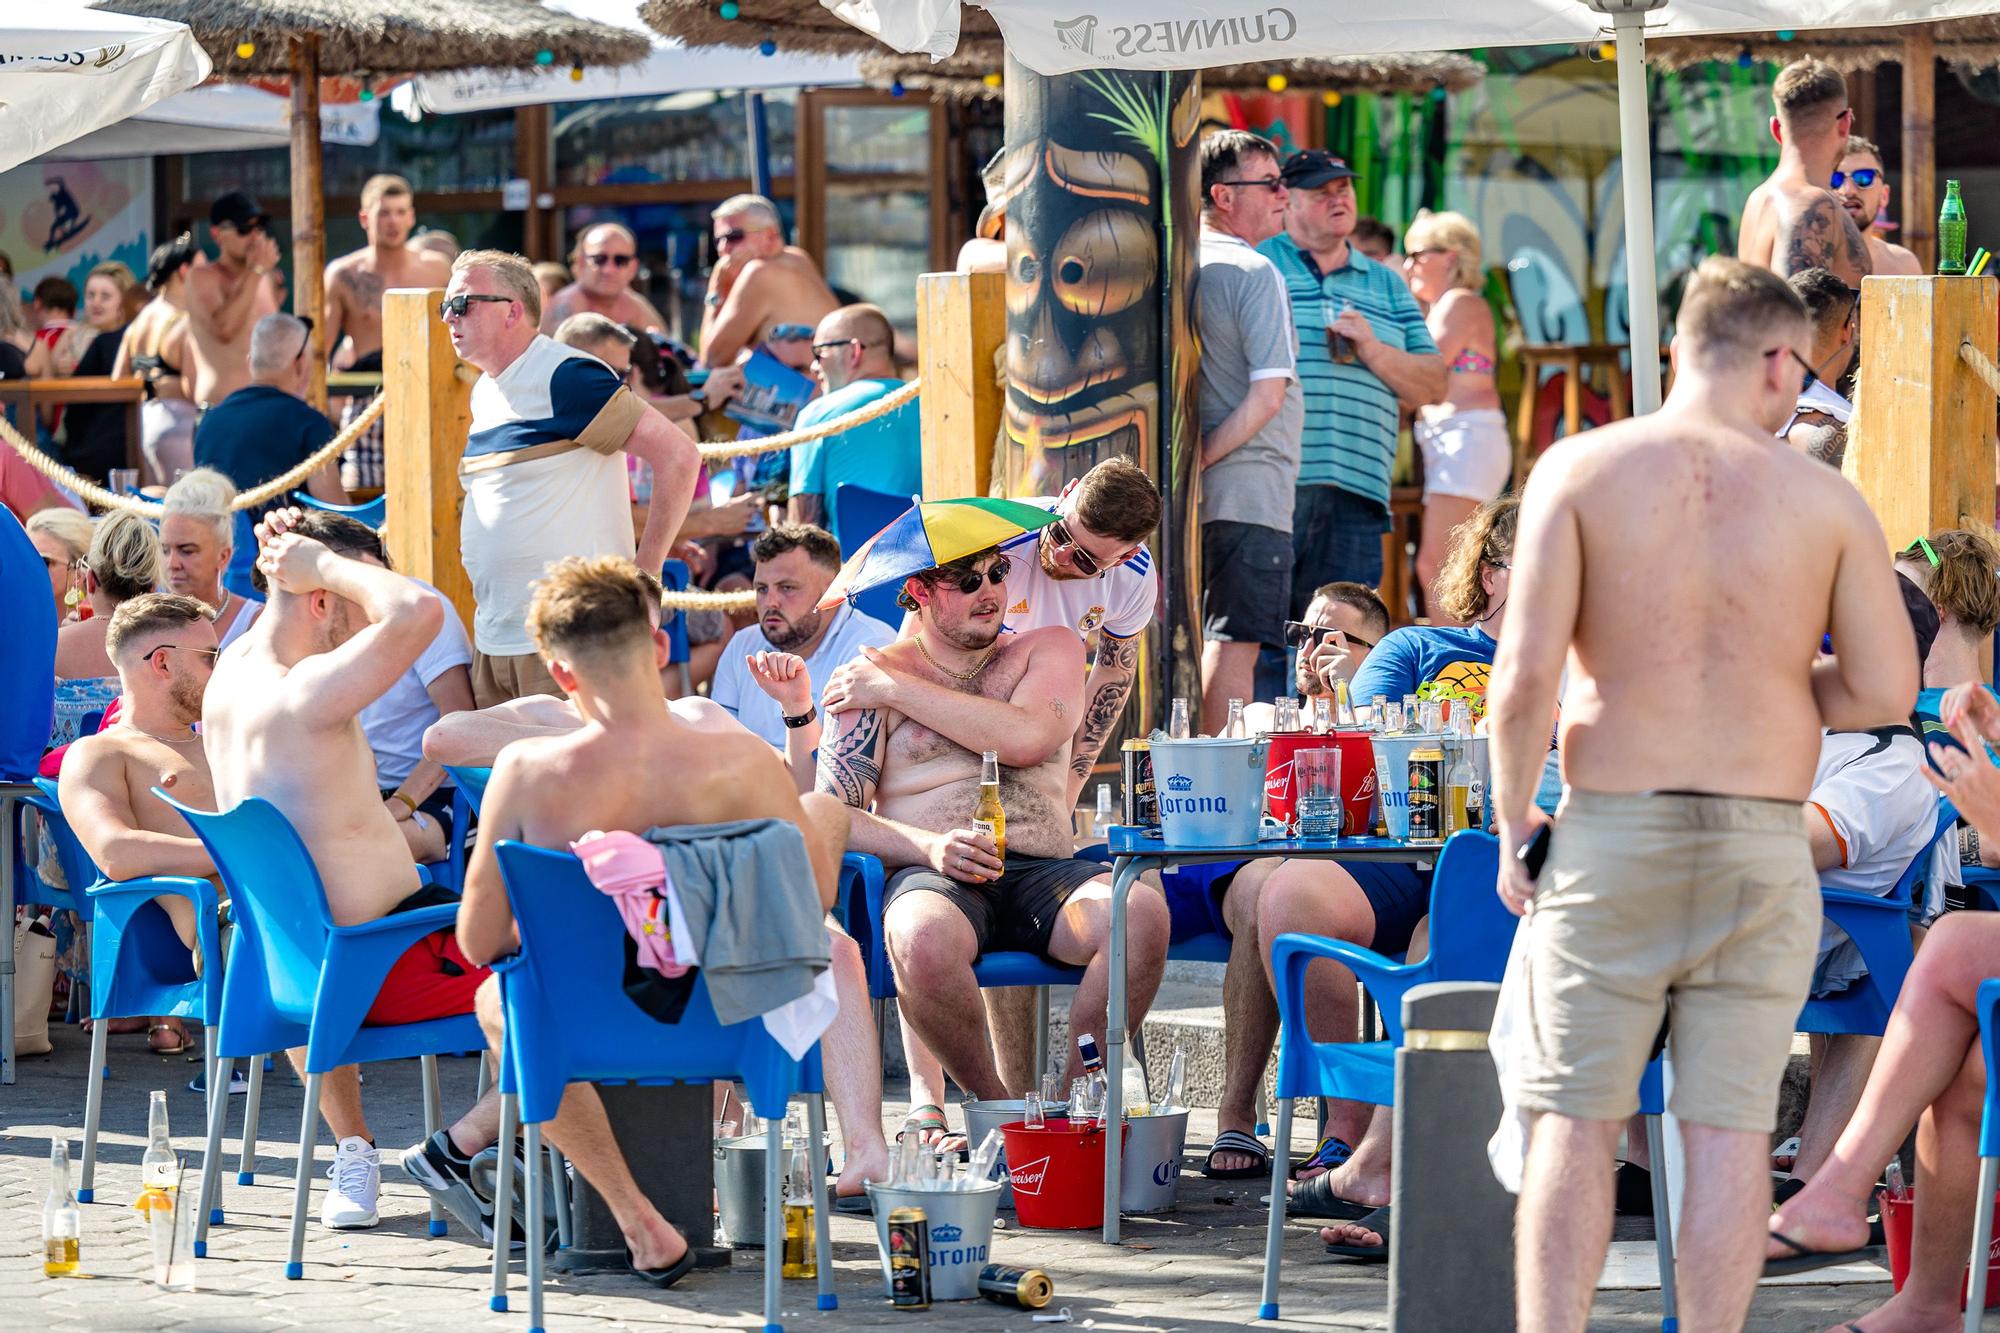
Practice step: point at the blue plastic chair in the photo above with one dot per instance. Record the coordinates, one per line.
(1880, 929)
(77, 868)
(242, 559)
(571, 961)
(674, 578)
(862, 513)
(1987, 1005)
(471, 783)
(28, 683)
(138, 966)
(296, 979)
(373, 512)
(1983, 884)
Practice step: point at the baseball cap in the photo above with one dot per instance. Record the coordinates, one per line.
(1313, 167)
(237, 209)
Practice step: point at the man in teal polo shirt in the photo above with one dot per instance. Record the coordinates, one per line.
(1362, 347)
(852, 357)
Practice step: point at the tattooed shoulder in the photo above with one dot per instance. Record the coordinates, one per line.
(847, 764)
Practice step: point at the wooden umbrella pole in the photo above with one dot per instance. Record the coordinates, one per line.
(308, 207)
(1920, 144)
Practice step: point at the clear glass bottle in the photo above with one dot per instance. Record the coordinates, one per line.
(1322, 714)
(801, 1260)
(1105, 817)
(1234, 729)
(990, 817)
(159, 1169)
(1343, 705)
(62, 1221)
(1177, 721)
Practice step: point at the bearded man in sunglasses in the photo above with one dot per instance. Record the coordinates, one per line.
(606, 264)
(953, 893)
(1793, 221)
(1863, 189)
(758, 281)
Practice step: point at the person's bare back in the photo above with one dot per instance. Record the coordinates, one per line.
(354, 287)
(1710, 556)
(1887, 259)
(1791, 224)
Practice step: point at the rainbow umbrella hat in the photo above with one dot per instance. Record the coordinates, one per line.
(928, 534)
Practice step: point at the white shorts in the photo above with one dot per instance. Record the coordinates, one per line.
(1467, 454)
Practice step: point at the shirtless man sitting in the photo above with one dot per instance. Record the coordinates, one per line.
(1679, 870)
(952, 896)
(355, 282)
(164, 649)
(758, 283)
(606, 263)
(1863, 188)
(593, 622)
(852, 1050)
(281, 722)
(226, 298)
(1793, 221)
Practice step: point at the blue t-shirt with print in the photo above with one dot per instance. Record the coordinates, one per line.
(1415, 655)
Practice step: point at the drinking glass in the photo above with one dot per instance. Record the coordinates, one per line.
(1316, 780)
(124, 480)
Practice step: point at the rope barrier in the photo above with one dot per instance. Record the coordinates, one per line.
(742, 600)
(1979, 364)
(717, 451)
(148, 508)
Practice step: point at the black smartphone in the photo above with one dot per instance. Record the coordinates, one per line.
(1536, 850)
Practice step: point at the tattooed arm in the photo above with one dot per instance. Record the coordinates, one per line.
(850, 765)
(1104, 694)
(1034, 722)
(1821, 235)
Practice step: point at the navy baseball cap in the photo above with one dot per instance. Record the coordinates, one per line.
(1313, 167)
(239, 210)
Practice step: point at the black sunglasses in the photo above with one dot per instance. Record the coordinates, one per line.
(969, 583)
(730, 237)
(1086, 563)
(820, 349)
(453, 307)
(1306, 637)
(615, 261)
(1862, 176)
(1259, 183)
(210, 653)
(306, 345)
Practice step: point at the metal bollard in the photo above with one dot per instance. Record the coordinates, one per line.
(1444, 1199)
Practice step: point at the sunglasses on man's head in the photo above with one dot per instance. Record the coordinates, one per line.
(1861, 176)
(612, 261)
(1922, 546)
(454, 307)
(970, 582)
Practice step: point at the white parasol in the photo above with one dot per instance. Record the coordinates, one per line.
(66, 71)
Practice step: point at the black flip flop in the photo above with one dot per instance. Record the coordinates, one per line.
(1377, 1222)
(854, 1205)
(1315, 1198)
(662, 1277)
(1806, 1260)
(1235, 1140)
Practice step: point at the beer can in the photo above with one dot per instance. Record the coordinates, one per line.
(1427, 794)
(1023, 1288)
(909, 1259)
(1142, 800)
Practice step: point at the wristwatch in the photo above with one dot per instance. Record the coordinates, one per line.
(803, 720)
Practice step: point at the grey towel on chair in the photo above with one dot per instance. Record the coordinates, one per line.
(752, 905)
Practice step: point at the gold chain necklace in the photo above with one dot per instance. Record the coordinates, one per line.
(956, 675)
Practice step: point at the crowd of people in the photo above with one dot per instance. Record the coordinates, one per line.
(1707, 760)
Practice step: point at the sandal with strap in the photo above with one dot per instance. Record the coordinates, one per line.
(1328, 1153)
(929, 1119)
(176, 1030)
(1236, 1141)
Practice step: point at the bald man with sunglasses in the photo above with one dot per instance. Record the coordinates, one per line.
(606, 264)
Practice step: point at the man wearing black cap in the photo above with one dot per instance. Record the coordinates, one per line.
(227, 298)
(1362, 347)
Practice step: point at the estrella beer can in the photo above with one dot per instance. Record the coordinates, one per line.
(1023, 1288)
(909, 1259)
(1142, 799)
(1427, 794)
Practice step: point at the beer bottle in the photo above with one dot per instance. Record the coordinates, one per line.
(801, 1259)
(1461, 806)
(1234, 729)
(1951, 232)
(991, 818)
(62, 1221)
(159, 1169)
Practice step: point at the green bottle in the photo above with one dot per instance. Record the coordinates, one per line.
(1951, 232)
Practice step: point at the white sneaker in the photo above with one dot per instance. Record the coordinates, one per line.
(356, 1174)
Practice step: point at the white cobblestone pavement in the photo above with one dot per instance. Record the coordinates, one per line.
(1195, 1269)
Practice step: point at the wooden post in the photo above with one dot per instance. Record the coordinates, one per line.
(429, 412)
(1920, 446)
(1919, 183)
(308, 211)
(961, 322)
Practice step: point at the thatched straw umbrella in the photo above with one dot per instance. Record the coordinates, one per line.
(306, 39)
(1968, 44)
(967, 74)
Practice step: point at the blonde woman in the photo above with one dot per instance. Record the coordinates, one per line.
(123, 562)
(62, 537)
(1467, 451)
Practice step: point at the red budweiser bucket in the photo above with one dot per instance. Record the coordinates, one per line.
(1897, 1219)
(1057, 1174)
(1357, 775)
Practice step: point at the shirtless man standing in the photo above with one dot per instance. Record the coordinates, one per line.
(592, 619)
(281, 722)
(758, 282)
(1863, 187)
(606, 262)
(226, 298)
(355, 282)
(1794, 220)
(952, 896)
(164, 649)
(1679, 867)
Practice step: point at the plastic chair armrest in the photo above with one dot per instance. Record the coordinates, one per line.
(1374, 970)
(1291, 954)
(358, 959)
(410, 926)
(118, 891)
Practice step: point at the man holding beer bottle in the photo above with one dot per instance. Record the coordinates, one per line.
(952, 895)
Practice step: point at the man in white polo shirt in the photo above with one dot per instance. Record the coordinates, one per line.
(794, 563)
(544, 467)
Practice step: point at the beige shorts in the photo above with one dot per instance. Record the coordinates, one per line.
(1704, 908)
(495, 680)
